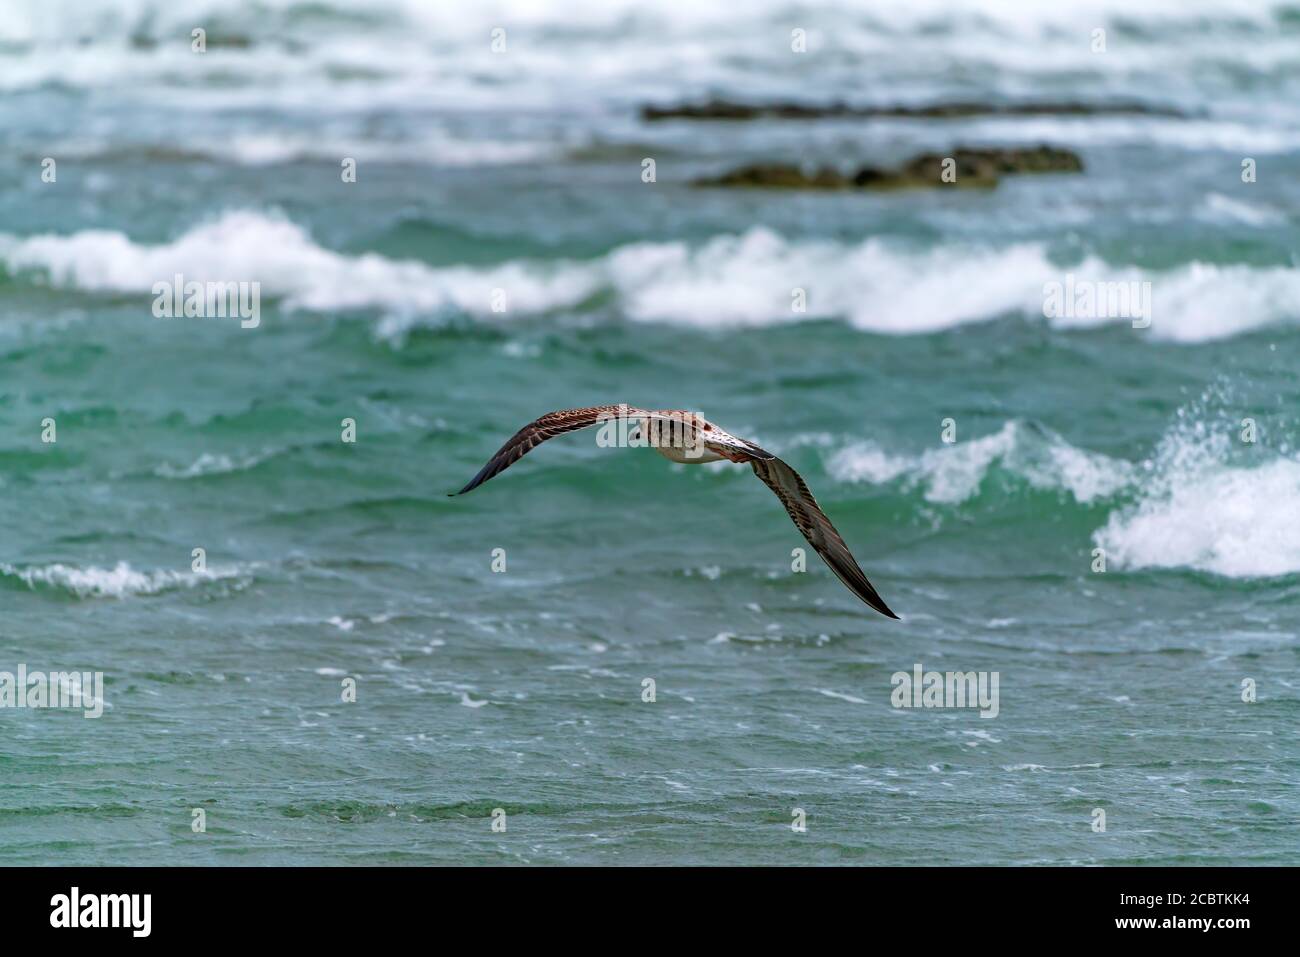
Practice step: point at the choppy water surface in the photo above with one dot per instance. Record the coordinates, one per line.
(522, 690)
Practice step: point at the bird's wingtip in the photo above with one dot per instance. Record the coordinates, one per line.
(880, 606)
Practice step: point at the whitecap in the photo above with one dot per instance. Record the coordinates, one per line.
(951, 474)
(1233, 520)
(840, 695)
(876, 285)
(119, 581)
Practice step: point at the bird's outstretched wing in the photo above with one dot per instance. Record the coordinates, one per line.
(538, 431)
(793, 492)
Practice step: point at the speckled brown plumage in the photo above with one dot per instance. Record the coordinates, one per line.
(813, 524)
(788, 485)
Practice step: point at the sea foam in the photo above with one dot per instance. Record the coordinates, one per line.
(417, 46)
(120, 581)
(1203, 504)
(1199, 502)
(952, 474)
(728, 280)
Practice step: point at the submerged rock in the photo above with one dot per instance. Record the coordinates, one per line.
(1026, 159)
(780, 176)
(974, 168)
(730, 110)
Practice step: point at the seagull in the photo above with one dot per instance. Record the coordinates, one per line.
(690, 439)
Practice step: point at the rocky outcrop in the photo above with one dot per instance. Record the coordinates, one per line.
(974, 168)
(731, 110)
(780, 176)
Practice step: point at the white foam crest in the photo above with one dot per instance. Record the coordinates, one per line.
(250, 246)
(951, 474)
(725, 281)
(66, 21)
(885, 288)
(1205, 301)
(319, 55)
(1263, 135)
(1204, 500)
(119, 581)
(209, 463)
(840, 695)
(438, 148)
(1202, 507)
(1218, 208)
(747, 280)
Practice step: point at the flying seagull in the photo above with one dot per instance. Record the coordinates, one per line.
(690, 439)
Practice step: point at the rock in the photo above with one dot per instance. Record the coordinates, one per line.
(779, 176)
(975, 168)
(973, 171)
(1033, 159)
(728, 110)
(719, 109)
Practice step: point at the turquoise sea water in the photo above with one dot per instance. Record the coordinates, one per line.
(522, 690)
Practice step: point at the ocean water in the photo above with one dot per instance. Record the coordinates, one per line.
(1174, 449)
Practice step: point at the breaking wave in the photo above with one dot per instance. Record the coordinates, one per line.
(952, 474)
(1203, 500)
(120, 581)
(1211, 503)
(439, 148)
(728, 280)
(277, 49)
(209, 463)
